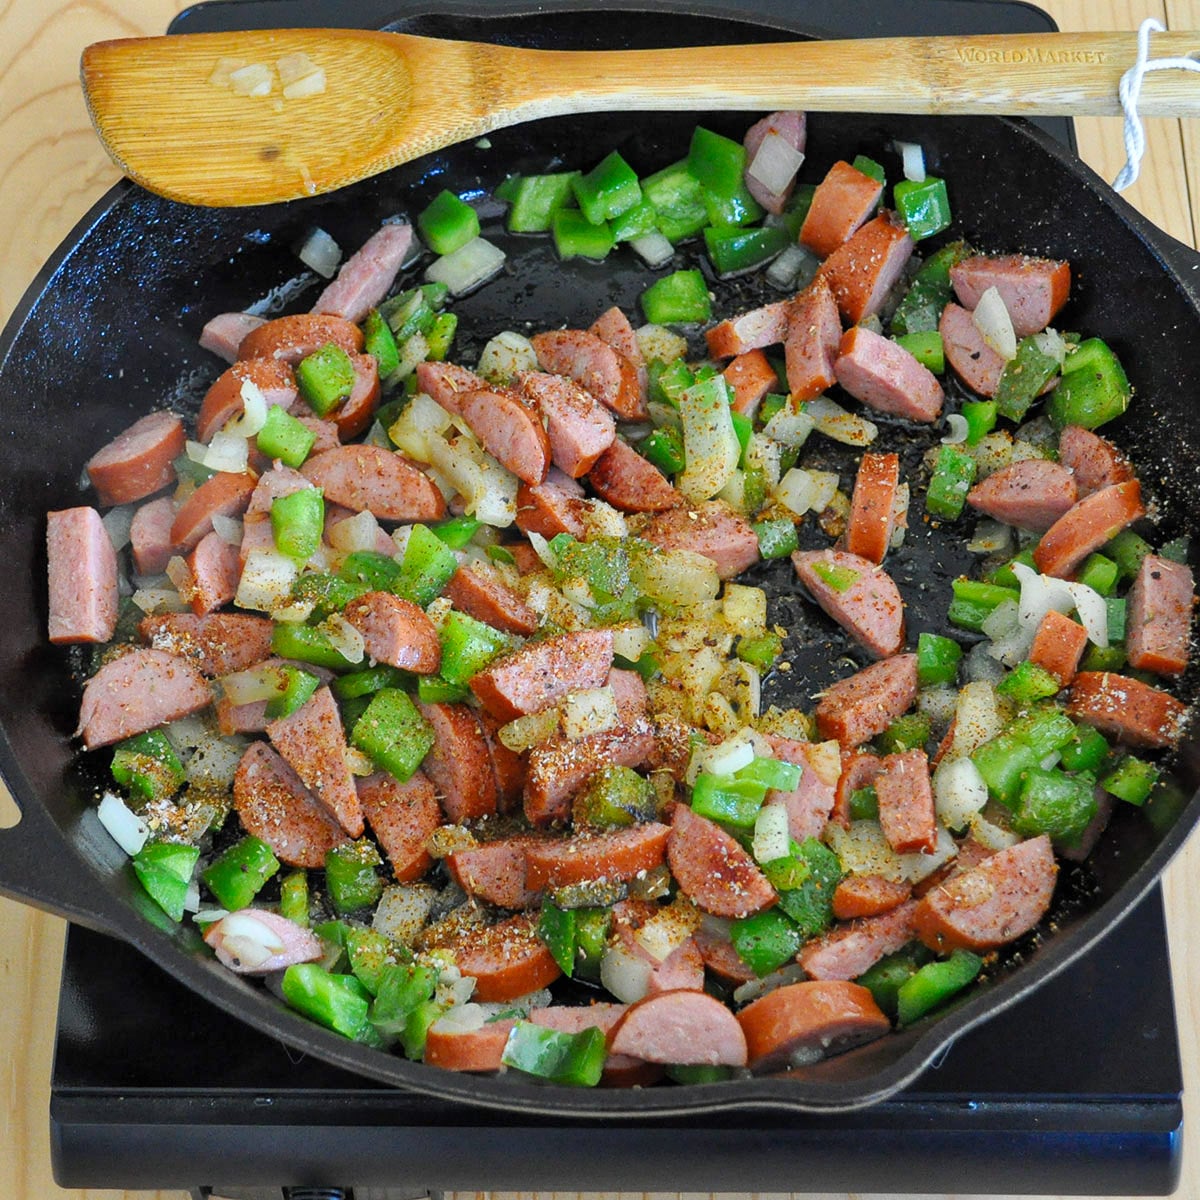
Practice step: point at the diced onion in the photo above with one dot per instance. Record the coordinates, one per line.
(523, 732)
(214, 761)
(159, 600)
(253, 415)
(1051, 343)
(257, 79)
(601, 520)
(593, 710)
(912, 161)
(959, 791)
(228, 529)
(117, 523)
(294, 67)
(125, 827)
(625, 975)
(982, 664)
(668, 928)
(1092, 612)
(653, 249)
(402, 911)
(990, 835)
(770, 833)
(463, 1018)
(267, 580)
(977, 718)
(792, 269)
(262, 682)
(224, 69)
(710, 443)
(839, 425)
(226, 452)
(311, 85)
(657, 341)
(958, 429)
(863, 850)
(789, 428)
(938, 704)
(505, 356)
(1002, 620)
(356, 533)
(775, 163)
(725, 758)
(991, 537)
(677, 577)
(915, 867)
(631, 641)
(993, 322)
(246, 925)
(468, 267)
(321, 253)
(796, 491)
(744, 608)
(423, 418)
(344, 638)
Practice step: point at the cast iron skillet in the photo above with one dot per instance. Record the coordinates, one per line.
(109, 330)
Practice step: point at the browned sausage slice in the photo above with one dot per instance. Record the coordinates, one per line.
(509, 430)
(844, 199)
(223, 401)
(312, 742)
(296, 337)
(1127, 709)
(370, 478)
(860, 596)
(873, 506)
(1094, 461)
(626, 480)
(139, 461)
(766, 326)
(814, 335)
(886, 377)
(1030, 494)
(443, 382)
(713, 870)
(490, 600)
(460, 764)
(402, 816)
(973, 360)
(612, 326)
(1159, 623)
(719, 956)
(140, 690)
(273, 804)
(1033, 289)
(551, 508)
(474, 1050)
(224, 333)
(354, 414)
(579, 427)
(215, 570)
(682, 1027)
(750, 377)
(1005, 896)
(495, 871)
(858, 771)
(848, 950)
(864, 704)
(396, 632)
(868, 896)
(906, 810)
(225, 494)
(506, 960)
(595, 366)
(712, 529)
(540, 674)
(1086, 527)
(618, 854)
(1058, 645)
(805, 1021)
(150, 536)
(508, 767)
(365, 277)
(217, 644)
(82, 577)
(862, 272)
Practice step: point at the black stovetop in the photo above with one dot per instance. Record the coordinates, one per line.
(1075, 1089)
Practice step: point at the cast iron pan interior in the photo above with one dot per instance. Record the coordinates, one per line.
(109, 331)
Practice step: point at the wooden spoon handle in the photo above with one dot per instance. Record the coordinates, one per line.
(1067, 74)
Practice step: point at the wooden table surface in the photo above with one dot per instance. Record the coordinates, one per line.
(52, 169)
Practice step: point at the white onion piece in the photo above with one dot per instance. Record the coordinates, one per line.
(359, 532)
(653, 248)
(725, 758)
(344, 638)
(863, 850)
(1092, 612)
(657, 341)
(915, 867)
(775, 163)
(253, 416)
(541, 548)
(124, 826)
(209, 916)
(228, 529)
(463, 1018)
(505, 356)
(789, 428)
(991, 537)
(631, 641)
(841, 426)
(312, 84)
(320, 251)
(913, 160)
(247, 925)
(977, 718)
(796, 491)
(959, 791)
(710, 443)
(253, 684)
(938, 704)
(957, 431)
(793, 268)
(226, 452)
(214, 762)
(990, 835)
(667, 929)
(1050, 342)
(255, 80)
(531, 730)
(593, 710)
(1040, 594)
(267, 580)
(993, 322)
(468, 267)
(1002, 620)
(117, 523)
(402, 911)
(770, 833)
(625, 975)
(983, 661)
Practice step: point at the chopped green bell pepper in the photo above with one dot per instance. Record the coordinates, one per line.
(237, 875)
(393, 734)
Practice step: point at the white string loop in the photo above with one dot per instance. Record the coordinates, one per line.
(1130, 91)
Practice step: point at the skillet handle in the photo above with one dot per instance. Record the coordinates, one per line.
(40, 865)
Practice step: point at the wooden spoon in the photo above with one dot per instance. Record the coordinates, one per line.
(389, 98)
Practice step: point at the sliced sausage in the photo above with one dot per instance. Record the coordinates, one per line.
(508, 767)
(1094, 461)
(873, 506)
(766, 326)
(325, 432)
(139, 461)
(402, 817)
(370, 478)
(540, 674)
(224, 333)
(682, 1027)
(225, 494)
(683, 966)
(353, 415)
(848, 950)
(868, 896)
(273, 804)
(623, 478)
(629, 692)
(862, 705)
(858, 771)
(488, 599)
(991, 904)
(719, 956)
(844, 199)
(1126, 709)
(1033, 289)
(1058, 645)
(862, 272)
(215, 570)
(810, 803)
(495, 871)
(750, 377)
(273, 484)
(551, 508)
(292, 943)
(312, 742)
(396, 632)
(1159, 619)
(150, 536)
(579, 427)
(620, 1070)
(595, 366)
(1031, 494)
(216, 644)
(460, 763)
(368, 274)
(612, 326)
(711, 529)
(791, 126)
(618, 854)
(509, 429)
(713, 870)
(506, 960)
(886, 377)
(906, 810)
(299, 335)
(141, 690)
(223, 401)
(805, 1021)
(973, 360)
(82, 577)
(443, 382)
(557, 769)
(456, 1049)
(863, 598)
(1086, 527)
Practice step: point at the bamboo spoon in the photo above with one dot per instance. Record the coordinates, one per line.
(389, 98)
